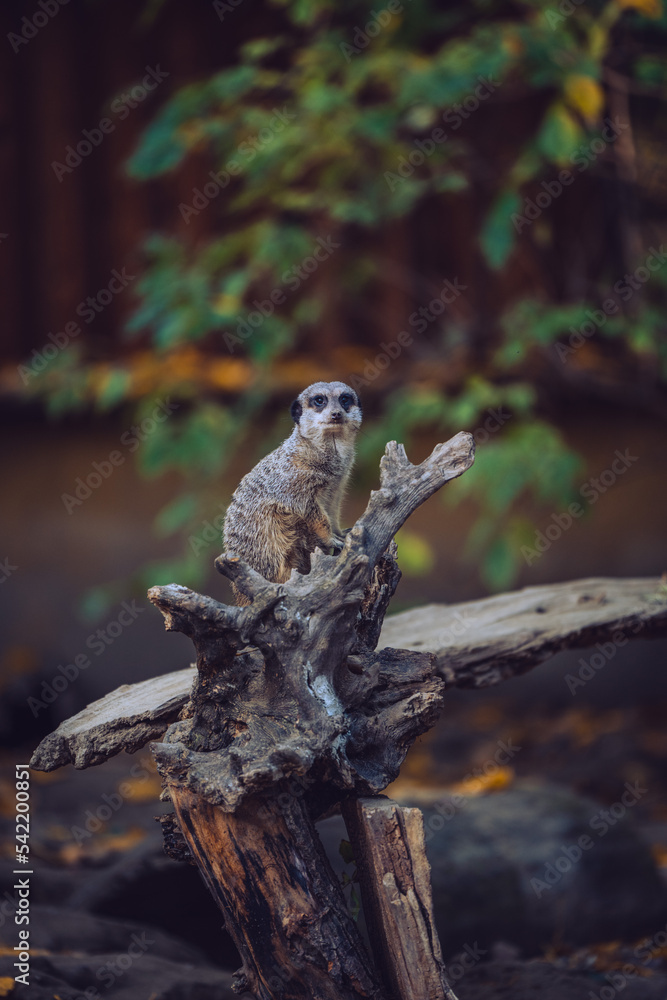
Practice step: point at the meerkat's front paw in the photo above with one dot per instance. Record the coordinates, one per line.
(337, 543)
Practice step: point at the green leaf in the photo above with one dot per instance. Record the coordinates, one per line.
(415, 554)
(176, 327)
(257, 48)
(176, 513)
(498, 232)
(450, 182)
(114, 389)
(559, 135)
(96, 602)
(346, 852)
(499, 566)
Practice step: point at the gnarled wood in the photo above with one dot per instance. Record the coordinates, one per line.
(275, 696)
(476, 644)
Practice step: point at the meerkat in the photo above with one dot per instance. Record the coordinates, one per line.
(289, 504)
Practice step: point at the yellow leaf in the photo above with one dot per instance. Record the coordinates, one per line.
(184, 363)
(659, 852)
(598, 38)
(649, 8)
(585, 95)
(141, 789)
(297, 372)
(5, 950)
(495, 782)
(415, 554)
(6, 985)
(231, 374)
(226, 304)
(101, 846)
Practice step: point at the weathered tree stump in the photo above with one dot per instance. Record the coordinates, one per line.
(293, 709)
(284, 909)
(289, 689)
(395, 877)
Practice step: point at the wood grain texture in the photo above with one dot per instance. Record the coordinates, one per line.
(395, 878)
(480, 643)
(283, 907)
(127, 719)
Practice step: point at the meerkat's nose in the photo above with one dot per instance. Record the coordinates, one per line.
(337, 417)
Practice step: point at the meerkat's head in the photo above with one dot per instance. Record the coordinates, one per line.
(327, 411)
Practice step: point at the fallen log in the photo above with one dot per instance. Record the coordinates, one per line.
(481, 643)
(475, 643)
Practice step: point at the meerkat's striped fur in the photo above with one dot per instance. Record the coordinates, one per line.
(289, 504)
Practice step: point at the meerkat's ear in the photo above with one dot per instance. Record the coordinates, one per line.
(296, 409)
(361, 409)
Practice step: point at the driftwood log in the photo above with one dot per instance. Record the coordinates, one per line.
(291, 708)
(476, 644)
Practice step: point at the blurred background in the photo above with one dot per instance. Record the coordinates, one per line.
(458, 209)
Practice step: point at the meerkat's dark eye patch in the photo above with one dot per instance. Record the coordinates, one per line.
(346, 401)
(318, 400)
(296, 409)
